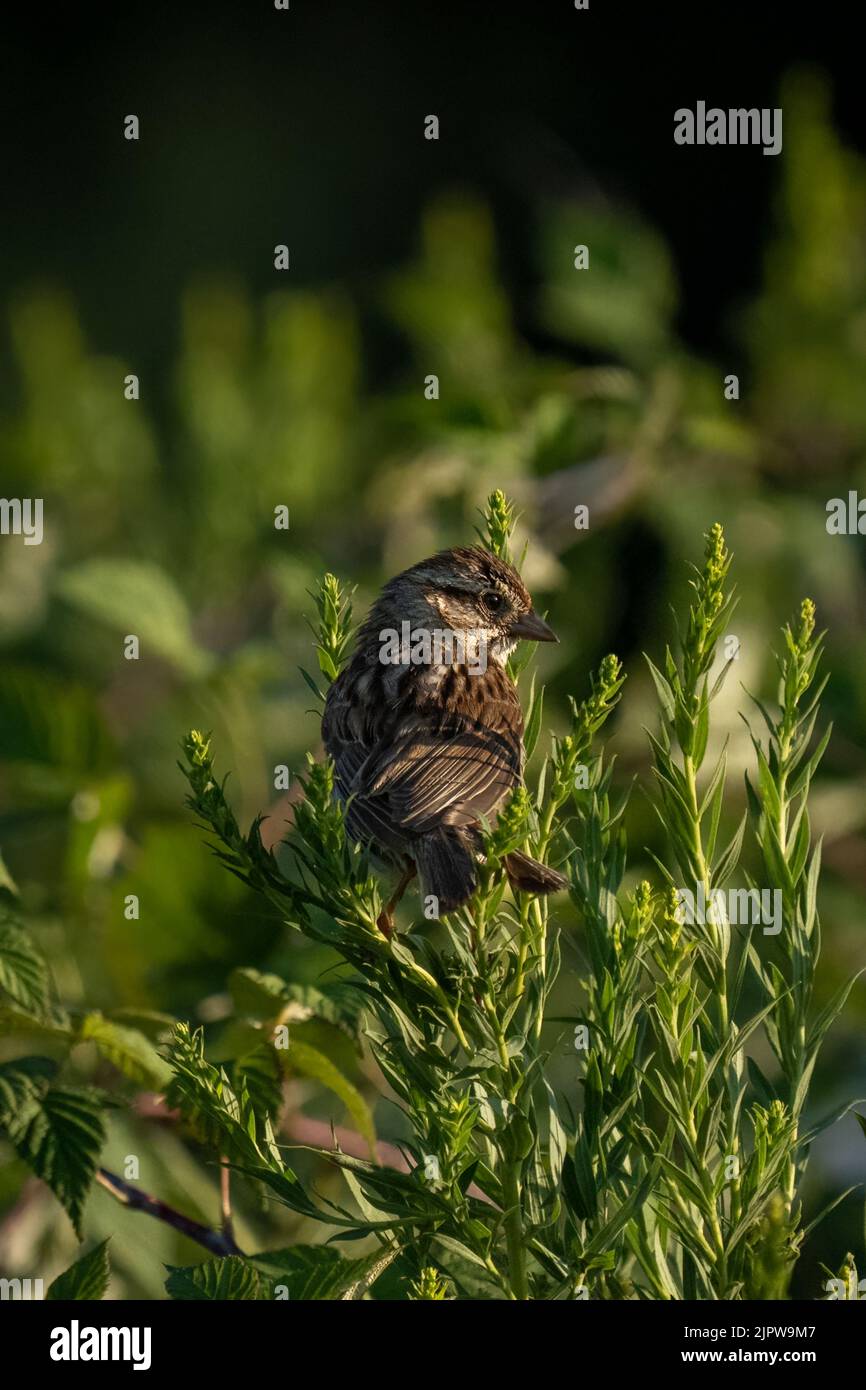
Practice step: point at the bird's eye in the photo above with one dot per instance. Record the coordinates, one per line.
(493, 601)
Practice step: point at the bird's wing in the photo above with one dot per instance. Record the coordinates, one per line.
(408, 771)
(421, 778)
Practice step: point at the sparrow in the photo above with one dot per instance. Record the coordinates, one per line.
(425, 729)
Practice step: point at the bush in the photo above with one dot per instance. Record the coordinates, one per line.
(680, 1177)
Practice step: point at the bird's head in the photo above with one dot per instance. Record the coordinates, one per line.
(470, 592)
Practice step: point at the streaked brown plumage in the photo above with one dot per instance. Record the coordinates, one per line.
(424, 751)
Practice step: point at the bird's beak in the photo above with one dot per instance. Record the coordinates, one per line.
(533, 628)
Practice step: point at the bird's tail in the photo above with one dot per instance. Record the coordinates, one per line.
(446, 867)
(530, 876)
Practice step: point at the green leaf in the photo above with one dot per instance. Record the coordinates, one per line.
(219, 1116)
(127, 1049)
(21, 1080)
(308, 1061)
(752, 802)
(557, 1139)
(582, 1191)
(810, 905)
(228, 1278)
(800, 849)
(727, 860)
(663, 690)
(702, 728)
(289, 1192)
(308, 680)
(458, 1248)
(319, 1272)
(23, 972)
(87, 1278)
(137, 597)
(767, 784)
(775, 860)
(533, 720)
(326, 664)
(389, 1189)
(717, 776)
(605, 1237)
(60, 1136)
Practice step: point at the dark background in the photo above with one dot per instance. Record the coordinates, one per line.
(261, 126)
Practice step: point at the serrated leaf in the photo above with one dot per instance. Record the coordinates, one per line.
(23, 972)
(228, 1278)
(219, 1116)
(319, 1272)
(60, 1135)
(21, 1080)
(87, 1278)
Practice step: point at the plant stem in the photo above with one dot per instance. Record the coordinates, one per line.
(217, 1242)
(514, 1231)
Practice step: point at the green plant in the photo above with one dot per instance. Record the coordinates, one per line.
(679, 1178)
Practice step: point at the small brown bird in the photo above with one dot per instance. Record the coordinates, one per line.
(425, 727)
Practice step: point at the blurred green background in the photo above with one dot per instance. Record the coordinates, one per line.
(306, 389)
